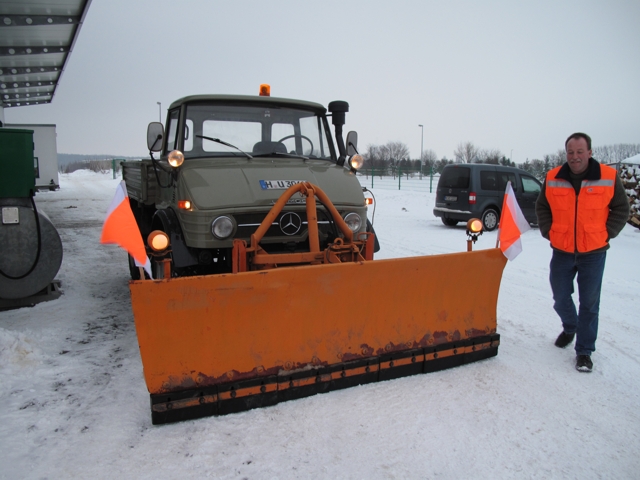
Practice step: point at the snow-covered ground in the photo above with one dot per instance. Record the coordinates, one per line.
(75, 405)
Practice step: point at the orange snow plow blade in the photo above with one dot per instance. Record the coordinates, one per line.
(217, 344)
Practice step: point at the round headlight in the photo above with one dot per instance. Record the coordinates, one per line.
(176, 158)
(474, 226)
(222, 227)
(356, 161)
(158, 240)
(353, 221)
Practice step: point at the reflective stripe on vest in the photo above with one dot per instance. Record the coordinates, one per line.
(580, 224)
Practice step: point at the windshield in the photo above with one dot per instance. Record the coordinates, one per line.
(255, 130)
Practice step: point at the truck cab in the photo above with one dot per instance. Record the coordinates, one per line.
(224, 160)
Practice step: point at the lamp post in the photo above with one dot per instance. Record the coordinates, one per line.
(511, 157)
(421, 145)
(159, 112)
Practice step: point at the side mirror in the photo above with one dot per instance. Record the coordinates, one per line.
(352, 143)
(155, 134)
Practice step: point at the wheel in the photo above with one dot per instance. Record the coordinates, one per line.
(449, 222)
(490, 219)
(299, 136)
(376, 244)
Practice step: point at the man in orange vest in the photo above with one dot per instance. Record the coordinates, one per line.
(582, 205)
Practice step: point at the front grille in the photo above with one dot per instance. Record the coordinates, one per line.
(248, 223)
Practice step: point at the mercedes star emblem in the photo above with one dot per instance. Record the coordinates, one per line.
(290, 223)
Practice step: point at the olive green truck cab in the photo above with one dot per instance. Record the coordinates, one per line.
(224, 162)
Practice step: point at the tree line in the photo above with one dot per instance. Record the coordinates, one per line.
(393, 159)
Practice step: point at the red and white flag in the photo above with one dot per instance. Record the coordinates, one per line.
(120, 227)
(512, 225)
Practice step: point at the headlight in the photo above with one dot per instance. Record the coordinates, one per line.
(356, 161)
(158, 240)
(353, 221)
(474, 226)
(175, 158)
(222, 227)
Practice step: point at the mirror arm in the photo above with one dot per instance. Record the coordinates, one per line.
(340, 142)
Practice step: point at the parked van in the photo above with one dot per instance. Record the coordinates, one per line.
(476, 190)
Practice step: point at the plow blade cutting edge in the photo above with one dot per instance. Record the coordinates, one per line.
(218, 344)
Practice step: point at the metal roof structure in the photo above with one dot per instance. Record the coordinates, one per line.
(36, 40)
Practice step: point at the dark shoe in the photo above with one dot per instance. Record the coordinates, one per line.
(564, 339)
(584, 363)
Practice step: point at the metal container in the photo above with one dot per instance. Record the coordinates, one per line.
(31, 250)
(17, 173)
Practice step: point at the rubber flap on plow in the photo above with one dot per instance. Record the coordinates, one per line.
(217, 344)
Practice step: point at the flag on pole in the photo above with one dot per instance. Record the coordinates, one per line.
(512, 225)
(120, 227)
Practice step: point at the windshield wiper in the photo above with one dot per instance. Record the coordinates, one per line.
(217, 140)
(281, 154)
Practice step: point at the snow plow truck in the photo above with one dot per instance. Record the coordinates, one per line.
(265, 288)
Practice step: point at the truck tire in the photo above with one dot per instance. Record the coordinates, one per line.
(376, 244)
(167, 221)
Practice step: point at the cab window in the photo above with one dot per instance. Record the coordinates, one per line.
(172, 130)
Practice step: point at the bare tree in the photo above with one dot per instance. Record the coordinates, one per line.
(538, 169)
(390, 155)
(374, 159)
(429, 160)
(397, 151)
(615, 153)
(490, 156)
(466, 152)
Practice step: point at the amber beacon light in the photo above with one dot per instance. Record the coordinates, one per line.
(265, 90)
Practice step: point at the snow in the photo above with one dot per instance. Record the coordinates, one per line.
(634, 159)
(75, 405)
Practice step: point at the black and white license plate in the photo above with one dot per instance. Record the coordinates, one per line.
(278, 184)
(450, 198)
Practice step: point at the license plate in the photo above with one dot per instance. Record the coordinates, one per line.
(278, 184)
(450, 198)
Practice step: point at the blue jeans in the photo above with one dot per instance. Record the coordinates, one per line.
(589, 269)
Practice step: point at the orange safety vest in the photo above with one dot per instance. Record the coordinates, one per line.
(580, 223)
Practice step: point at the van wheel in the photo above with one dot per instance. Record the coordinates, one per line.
(449, 222)
(490, 219)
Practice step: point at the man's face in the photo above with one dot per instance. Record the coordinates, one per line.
(578, 155)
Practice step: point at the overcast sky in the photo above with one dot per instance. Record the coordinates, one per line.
(514, 76)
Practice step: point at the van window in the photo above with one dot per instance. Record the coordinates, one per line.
(497, 181)
(489, 180)
(508, 177)
(456, 177)
(529, 184)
